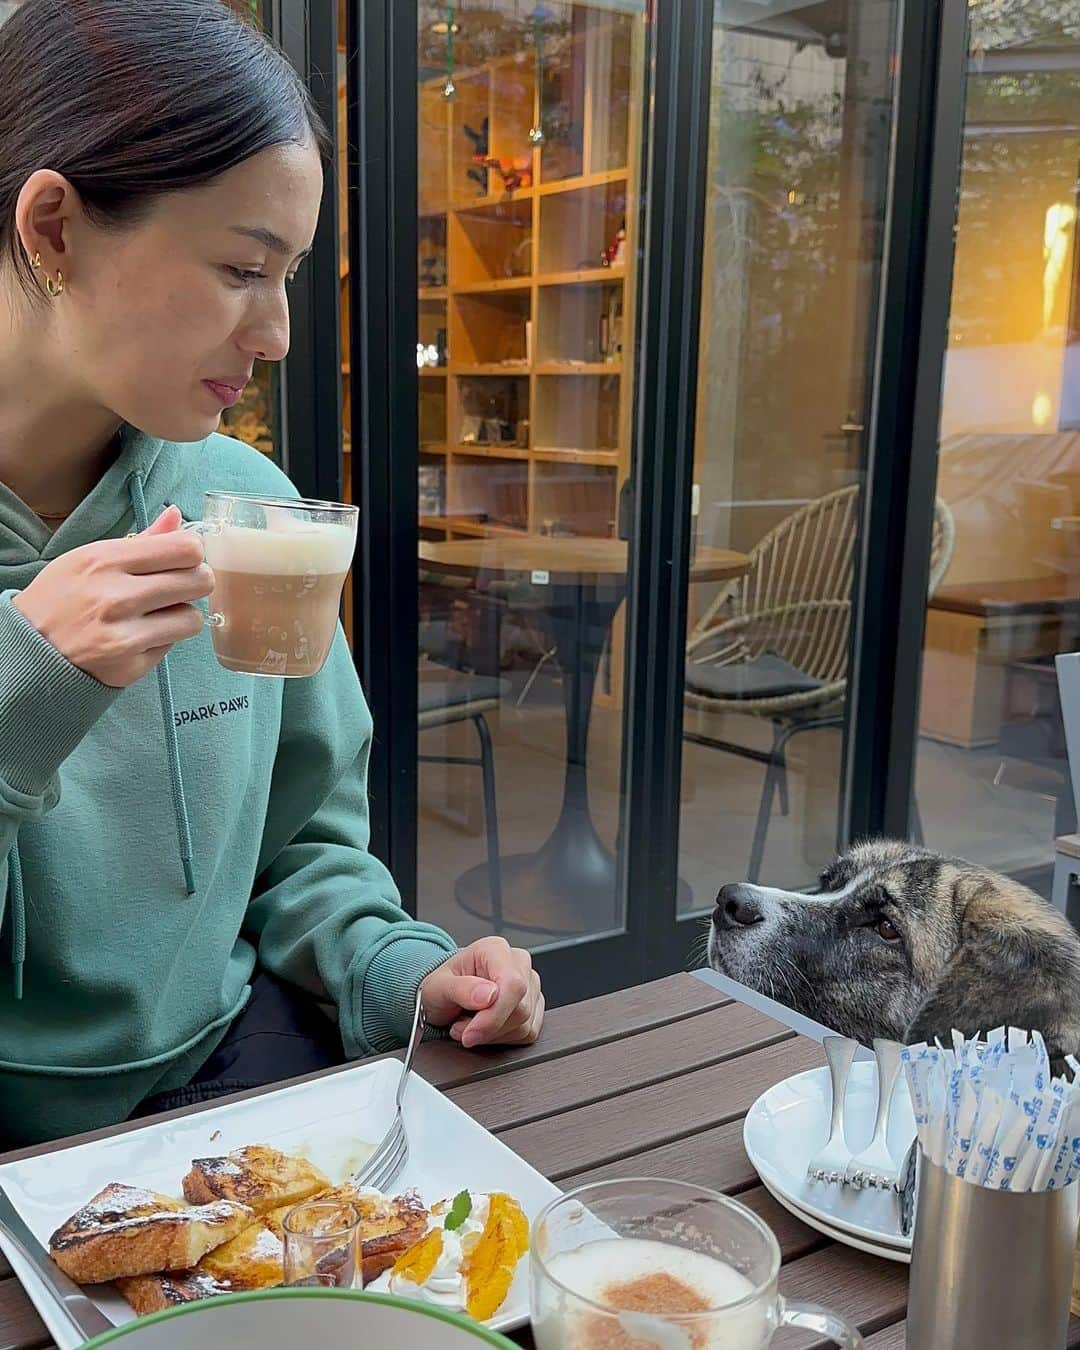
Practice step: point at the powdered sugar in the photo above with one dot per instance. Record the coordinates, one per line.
(267, 1245)
(217, 1167)
(123, 1207)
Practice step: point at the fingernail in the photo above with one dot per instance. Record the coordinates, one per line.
(489, 991)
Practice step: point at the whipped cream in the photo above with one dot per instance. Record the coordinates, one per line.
(445, 1286)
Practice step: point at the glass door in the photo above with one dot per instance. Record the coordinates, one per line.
(797, 196)
(643, 295)
(992, 772)
(529, 191)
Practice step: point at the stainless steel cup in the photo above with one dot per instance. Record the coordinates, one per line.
(990, 1269)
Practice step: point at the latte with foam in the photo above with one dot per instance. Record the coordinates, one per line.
(658, 1297)
(277, 592)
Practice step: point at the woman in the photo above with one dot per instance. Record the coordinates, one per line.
(172, 835)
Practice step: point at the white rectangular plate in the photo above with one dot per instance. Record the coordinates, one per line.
(334, 1121)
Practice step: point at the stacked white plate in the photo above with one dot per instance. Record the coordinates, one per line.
(789, 1123)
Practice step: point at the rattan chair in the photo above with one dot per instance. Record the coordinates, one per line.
(774, 644)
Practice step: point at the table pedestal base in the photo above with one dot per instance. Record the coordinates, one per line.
(567, 888)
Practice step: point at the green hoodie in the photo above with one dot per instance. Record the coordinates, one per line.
(119, 982)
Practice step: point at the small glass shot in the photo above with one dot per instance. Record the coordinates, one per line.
(322, 1245)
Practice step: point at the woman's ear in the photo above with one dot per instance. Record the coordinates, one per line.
(46, 212)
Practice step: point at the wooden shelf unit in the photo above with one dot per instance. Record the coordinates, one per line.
(529, 422)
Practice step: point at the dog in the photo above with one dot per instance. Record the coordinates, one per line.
(902, 943)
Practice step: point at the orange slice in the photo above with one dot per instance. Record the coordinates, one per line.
(420, 1260)
(490, 1265)
(508, 1208)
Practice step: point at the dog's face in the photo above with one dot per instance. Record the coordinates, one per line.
(902, 943)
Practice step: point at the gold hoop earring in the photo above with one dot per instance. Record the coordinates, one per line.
(35, 261)
(56, 287)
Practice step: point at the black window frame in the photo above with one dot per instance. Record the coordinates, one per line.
(880, 734)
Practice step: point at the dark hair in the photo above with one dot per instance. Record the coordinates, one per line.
(131, 99)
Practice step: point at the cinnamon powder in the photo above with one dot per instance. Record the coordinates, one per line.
(659, 1295)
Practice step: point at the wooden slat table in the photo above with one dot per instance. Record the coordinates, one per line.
(653, 1080)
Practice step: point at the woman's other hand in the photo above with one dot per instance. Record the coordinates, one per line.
(487, 994)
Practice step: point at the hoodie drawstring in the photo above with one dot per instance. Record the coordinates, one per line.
(168, 717)
(18, 917)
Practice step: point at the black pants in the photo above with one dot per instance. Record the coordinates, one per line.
(280, 1034)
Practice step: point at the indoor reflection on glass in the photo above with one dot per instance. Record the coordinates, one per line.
(993, 770)
(252, 419)
(798, 163)
(529, 151)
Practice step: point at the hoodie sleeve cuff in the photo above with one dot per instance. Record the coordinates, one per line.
(47, 705)
(388, 989)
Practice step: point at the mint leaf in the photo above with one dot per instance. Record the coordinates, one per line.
(459, 1211)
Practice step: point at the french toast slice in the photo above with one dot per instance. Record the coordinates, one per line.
(260, 1177)
(127, 1230)
(155, 1293)
(252, 1260)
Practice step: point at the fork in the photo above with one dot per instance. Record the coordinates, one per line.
(875, 1167)
(830, 1162)
(393, 1150)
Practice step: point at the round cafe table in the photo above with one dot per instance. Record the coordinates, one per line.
(568, 885)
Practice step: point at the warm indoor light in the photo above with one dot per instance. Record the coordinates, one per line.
(1057, 238)
(1042, 409)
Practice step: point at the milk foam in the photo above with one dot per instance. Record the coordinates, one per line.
(591, 1270)
(299, 549)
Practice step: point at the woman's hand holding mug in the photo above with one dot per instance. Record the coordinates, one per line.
(115, 607)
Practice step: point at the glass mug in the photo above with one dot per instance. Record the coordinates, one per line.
(279, 567)
(321, 1245)
(647, 1264)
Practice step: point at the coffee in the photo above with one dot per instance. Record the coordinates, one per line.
(658, 1295)
(277, 591)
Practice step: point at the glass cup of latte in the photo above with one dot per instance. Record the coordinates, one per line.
(279, 567)
(643, 1264)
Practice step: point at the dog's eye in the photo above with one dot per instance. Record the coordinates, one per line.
(886, 930)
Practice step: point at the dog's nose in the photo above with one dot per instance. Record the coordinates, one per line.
(737, 906)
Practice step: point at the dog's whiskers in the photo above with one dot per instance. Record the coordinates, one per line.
(790, 965)
(699, 953)
(699, 948)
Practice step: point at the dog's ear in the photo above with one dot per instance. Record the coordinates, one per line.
(1016, 965)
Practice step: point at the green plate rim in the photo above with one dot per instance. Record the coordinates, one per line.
(479, 1332)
